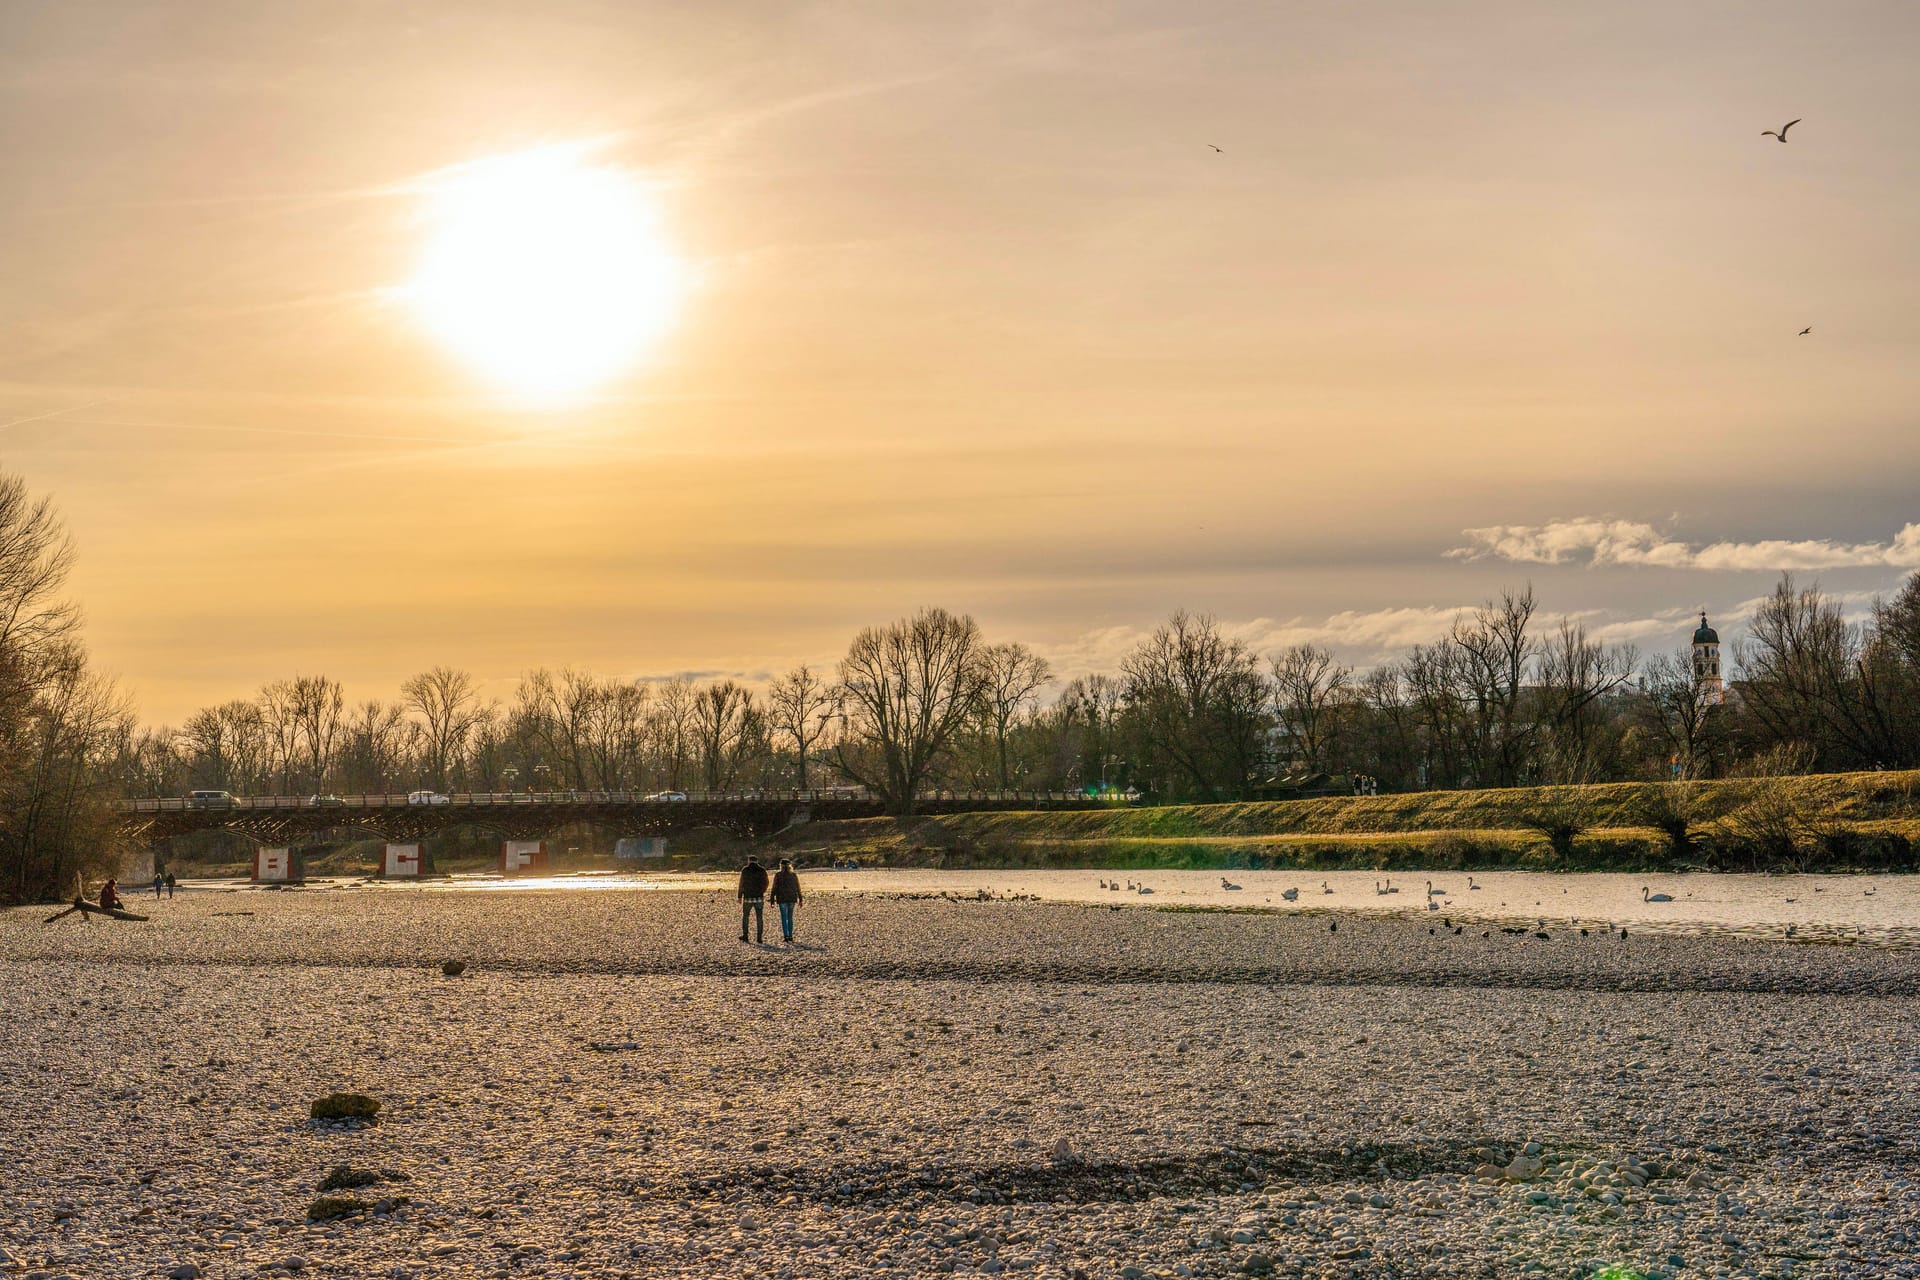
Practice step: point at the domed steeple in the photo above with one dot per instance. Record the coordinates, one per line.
(1706, 664)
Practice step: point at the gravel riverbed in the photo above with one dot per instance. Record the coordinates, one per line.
(616, 1086)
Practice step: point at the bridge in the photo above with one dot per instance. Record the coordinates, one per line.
(525, 815)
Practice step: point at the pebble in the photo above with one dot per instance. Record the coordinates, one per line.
(1386, 1151)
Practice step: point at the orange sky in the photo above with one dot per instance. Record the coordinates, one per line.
(979, 319)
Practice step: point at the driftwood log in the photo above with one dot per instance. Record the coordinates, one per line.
(87, 909)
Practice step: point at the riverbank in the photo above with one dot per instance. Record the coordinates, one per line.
(1827, 822)
(617, 1087)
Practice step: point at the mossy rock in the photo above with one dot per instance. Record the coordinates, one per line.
(328, 1208)
(345, 1178)
(346, 1106)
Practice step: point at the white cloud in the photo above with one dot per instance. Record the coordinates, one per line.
(1626, 542)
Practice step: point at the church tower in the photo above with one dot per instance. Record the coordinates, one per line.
(1706, 664)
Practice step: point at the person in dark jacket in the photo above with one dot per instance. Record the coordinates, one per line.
(171, 882)
(753, 895)
(786, 896)
(110, 895)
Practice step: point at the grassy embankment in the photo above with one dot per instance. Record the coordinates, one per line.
(1825, 822)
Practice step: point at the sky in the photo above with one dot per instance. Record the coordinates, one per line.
(1470, 296)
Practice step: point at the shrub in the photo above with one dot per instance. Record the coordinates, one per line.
(346, 1178)
(1671, 808)
(1560, 814)
(327, 1208)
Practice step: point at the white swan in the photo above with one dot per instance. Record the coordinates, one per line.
(1471, 885)
(1654, 897)
(1325, 887)
(1290, 895)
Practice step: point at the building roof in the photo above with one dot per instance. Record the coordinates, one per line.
(1706, 634)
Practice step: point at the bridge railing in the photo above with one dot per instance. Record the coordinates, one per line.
(821, 795)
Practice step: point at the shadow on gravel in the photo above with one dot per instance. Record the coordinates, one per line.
(1081, 1181)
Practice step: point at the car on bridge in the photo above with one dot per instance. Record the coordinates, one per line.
(324, 802)
(210, 799)
(428, 797)
(668, 795)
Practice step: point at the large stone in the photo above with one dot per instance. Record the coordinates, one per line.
(345, 1106)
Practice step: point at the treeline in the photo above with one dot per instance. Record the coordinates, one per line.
(62, 727)
(1190, 714)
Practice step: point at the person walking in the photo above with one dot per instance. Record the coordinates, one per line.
(159, 883)
(753, 895)
(786, 896)
(170, 883)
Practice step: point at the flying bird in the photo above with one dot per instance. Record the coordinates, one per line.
(1215, 148)
(1781, 135)
(1804, 332)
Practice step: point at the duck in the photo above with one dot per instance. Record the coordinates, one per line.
(1291, 895)
(1654, 897)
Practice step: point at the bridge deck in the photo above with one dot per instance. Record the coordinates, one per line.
(529, 814)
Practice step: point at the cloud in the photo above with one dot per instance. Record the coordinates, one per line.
(1626, 542)
(1365, 637)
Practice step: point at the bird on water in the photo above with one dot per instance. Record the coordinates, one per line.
(1780, 134)
(1655, 897)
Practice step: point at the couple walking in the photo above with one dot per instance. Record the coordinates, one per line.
(753, 895)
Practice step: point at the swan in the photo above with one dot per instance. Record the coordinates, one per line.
(1227, 884)
(1433, 892)
(1432, 905)
(1471, 885)
(1325, 887)
(1143, 889)
(1290, 895)
(1654, 897)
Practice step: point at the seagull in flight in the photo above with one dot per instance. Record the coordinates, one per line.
(1211, 145)
(1781, 136)
(1804, 332)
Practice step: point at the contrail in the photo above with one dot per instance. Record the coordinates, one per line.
(55, 413)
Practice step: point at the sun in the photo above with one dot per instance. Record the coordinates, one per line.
(544, 271)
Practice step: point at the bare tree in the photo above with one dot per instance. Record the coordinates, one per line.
(800, 704)
(672, 726)
(449, 707)
(1676, 710)
(1198, 706)
(280, 725)
(1496, 652)
(1576, 676)
(318, 705)
(1307, 684)
(1010, 675)
(909, 688)
(729, 728)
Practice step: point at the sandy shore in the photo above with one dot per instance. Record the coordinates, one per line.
(1237, 1094)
